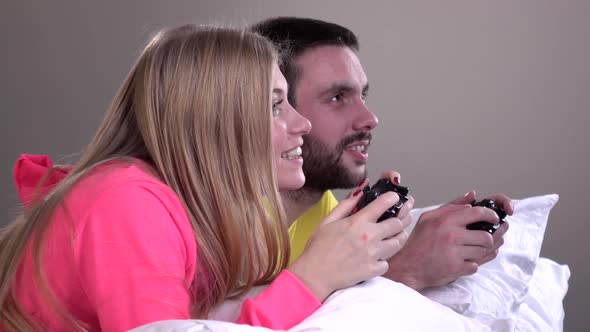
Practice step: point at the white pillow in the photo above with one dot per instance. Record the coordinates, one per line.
(542, 309)
(494, 294)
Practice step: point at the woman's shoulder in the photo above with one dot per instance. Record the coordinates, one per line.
(127, 190)
(123, 177)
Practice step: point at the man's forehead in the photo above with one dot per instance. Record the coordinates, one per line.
(328, 65)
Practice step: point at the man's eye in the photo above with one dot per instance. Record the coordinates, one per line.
(336, 98)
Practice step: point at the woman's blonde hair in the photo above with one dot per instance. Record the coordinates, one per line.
(196, 105)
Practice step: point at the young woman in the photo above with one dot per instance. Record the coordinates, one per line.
(173, 207)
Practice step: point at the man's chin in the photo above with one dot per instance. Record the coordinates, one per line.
(341, 178)
(351, 179)
(356, 180)
(327, 170)
(356, 174)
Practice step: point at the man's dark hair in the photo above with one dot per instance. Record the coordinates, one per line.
(294, 35)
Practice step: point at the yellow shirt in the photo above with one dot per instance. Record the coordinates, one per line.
(303, 227)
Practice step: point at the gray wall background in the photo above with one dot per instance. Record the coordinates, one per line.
(485, 95)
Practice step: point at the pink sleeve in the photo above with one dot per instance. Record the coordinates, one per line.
(135, 258)
(285, 303)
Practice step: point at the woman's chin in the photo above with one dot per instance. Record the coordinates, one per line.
(291, 182)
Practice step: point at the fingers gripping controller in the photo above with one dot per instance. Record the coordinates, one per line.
(484, 225)
(383, 186)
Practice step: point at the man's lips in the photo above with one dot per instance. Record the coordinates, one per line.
(361, 146)
(358, 150)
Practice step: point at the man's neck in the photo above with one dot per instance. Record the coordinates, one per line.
(298, 201)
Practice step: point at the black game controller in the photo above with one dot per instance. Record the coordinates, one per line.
(484, 225)
(383, 186)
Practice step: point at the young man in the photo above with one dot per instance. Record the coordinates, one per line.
(327, 85)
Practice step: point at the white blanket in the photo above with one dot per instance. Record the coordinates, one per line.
(375, 305)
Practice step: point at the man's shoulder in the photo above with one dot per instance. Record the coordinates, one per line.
(303, 227)
(320, 209)
(328, 201)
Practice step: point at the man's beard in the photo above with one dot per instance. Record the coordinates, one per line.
(323, 166)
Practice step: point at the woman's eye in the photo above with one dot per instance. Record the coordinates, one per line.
(276, 107)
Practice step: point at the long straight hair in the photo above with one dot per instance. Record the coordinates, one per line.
(196, 106)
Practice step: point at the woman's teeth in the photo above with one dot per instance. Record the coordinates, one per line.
(293, 154)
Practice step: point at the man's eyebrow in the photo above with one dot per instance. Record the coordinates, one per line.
(342, 87)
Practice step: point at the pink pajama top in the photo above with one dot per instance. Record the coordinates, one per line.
(120, 253)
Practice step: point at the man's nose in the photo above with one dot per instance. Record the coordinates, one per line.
(365, 119)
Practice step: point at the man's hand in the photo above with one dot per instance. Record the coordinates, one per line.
(440, 248)
(503, 202)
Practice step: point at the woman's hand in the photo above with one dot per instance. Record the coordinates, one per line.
(347, 249)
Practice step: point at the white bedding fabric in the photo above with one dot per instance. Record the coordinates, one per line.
(382, 305)
(376, 305)
(542, 309)
(495, 293)
(518, 291)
